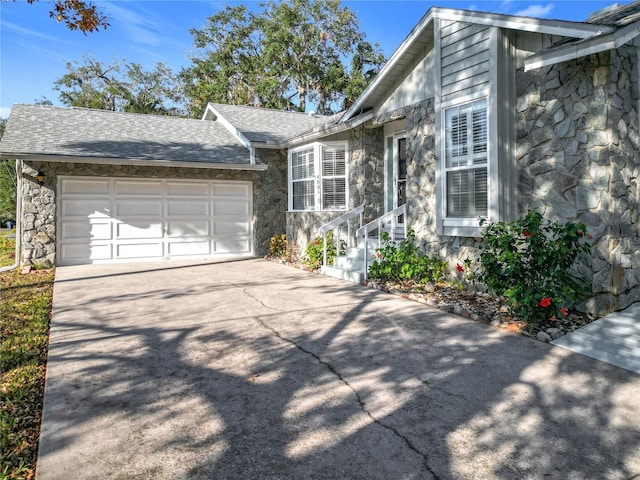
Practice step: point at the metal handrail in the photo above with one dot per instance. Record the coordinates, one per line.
(377, 224)
(336, 225)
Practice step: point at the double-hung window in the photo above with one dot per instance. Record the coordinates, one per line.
(466, 161)
(318, 177)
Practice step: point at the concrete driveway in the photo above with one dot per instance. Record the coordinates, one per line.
(253, 370)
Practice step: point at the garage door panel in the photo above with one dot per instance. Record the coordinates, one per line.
(188, 189)
(231, 208)
(139, 250)
(83, 230)
(232, 246)
(80, 252)
(138, 208)
(189, 208)
(86, 208)
(221, 227)
(240, 190)
(138, 188)
(135, 230)
(184, 248)
(188, 228)
(69, 186)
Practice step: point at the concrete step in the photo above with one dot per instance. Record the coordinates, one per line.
(348, 275)
(355, 262)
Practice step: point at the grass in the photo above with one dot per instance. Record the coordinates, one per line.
(25, 308)
(7, 247)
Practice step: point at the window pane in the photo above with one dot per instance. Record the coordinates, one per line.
(334, 193)
(467, 193)
(458, 194)
(303, 195)
(480, 135)
(333, 161)
(302, 164)
(480, 192)
(456, 137)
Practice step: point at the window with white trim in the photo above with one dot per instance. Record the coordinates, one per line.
(466, 160)
(318, 177)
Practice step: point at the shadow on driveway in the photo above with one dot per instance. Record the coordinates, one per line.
(253, 370)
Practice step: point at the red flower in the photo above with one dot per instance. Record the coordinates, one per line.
(459, 268)
(565, 311)
(378, 255)
(553, 319)
(589, 236)
(545, 302)
(580, 233)
(526, 233)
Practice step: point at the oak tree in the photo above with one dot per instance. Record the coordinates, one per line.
(291, 54)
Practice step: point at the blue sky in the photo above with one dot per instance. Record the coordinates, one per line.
(34, 49)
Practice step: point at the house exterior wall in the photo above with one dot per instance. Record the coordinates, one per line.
(39, 202)
(578, 154)
(365, 183)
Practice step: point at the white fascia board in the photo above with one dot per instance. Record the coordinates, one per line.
(315, 135)
(583, 48)
(211, 114)
(562, 28)
(133, 161)
(414, 34)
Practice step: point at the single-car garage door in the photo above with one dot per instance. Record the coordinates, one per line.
(118, 219)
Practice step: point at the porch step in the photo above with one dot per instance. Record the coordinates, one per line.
(354, 276)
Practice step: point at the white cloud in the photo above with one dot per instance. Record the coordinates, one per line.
(540, 11)
(4, 112)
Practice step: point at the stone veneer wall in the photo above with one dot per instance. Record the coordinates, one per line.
(366, 186)
(578, 145)
(39, 202)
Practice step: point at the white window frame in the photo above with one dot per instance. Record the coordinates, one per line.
(318, 177)
(465, 226)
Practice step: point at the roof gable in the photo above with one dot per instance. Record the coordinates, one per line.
(263, 125)
(421, 38)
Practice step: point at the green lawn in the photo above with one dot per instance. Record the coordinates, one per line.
(7, 247)
(25, 308)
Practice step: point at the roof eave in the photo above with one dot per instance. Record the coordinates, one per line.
(583, 48)
(35, 157)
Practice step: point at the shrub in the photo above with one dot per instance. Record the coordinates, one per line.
(313, 253)
(404, 262)
(278, 246)
(528, 261)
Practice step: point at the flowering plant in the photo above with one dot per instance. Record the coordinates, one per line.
(528, 262)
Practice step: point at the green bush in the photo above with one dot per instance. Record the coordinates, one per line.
(313, 253)
(528, 261)
(278, 246)
(404, 262)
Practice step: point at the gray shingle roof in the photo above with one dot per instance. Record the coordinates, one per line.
(617, 15)
(265, 125)
(80, 132)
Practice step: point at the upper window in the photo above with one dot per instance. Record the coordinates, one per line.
(318, 177)
(466, 160)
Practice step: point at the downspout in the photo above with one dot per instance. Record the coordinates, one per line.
(16, 262)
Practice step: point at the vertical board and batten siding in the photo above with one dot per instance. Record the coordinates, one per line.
(465, 53)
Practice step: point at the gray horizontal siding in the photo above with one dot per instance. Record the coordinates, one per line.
(465, 54)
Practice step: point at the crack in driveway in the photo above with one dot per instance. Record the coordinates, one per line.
(334, 371)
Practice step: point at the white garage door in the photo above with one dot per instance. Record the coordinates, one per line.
(118, 219)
